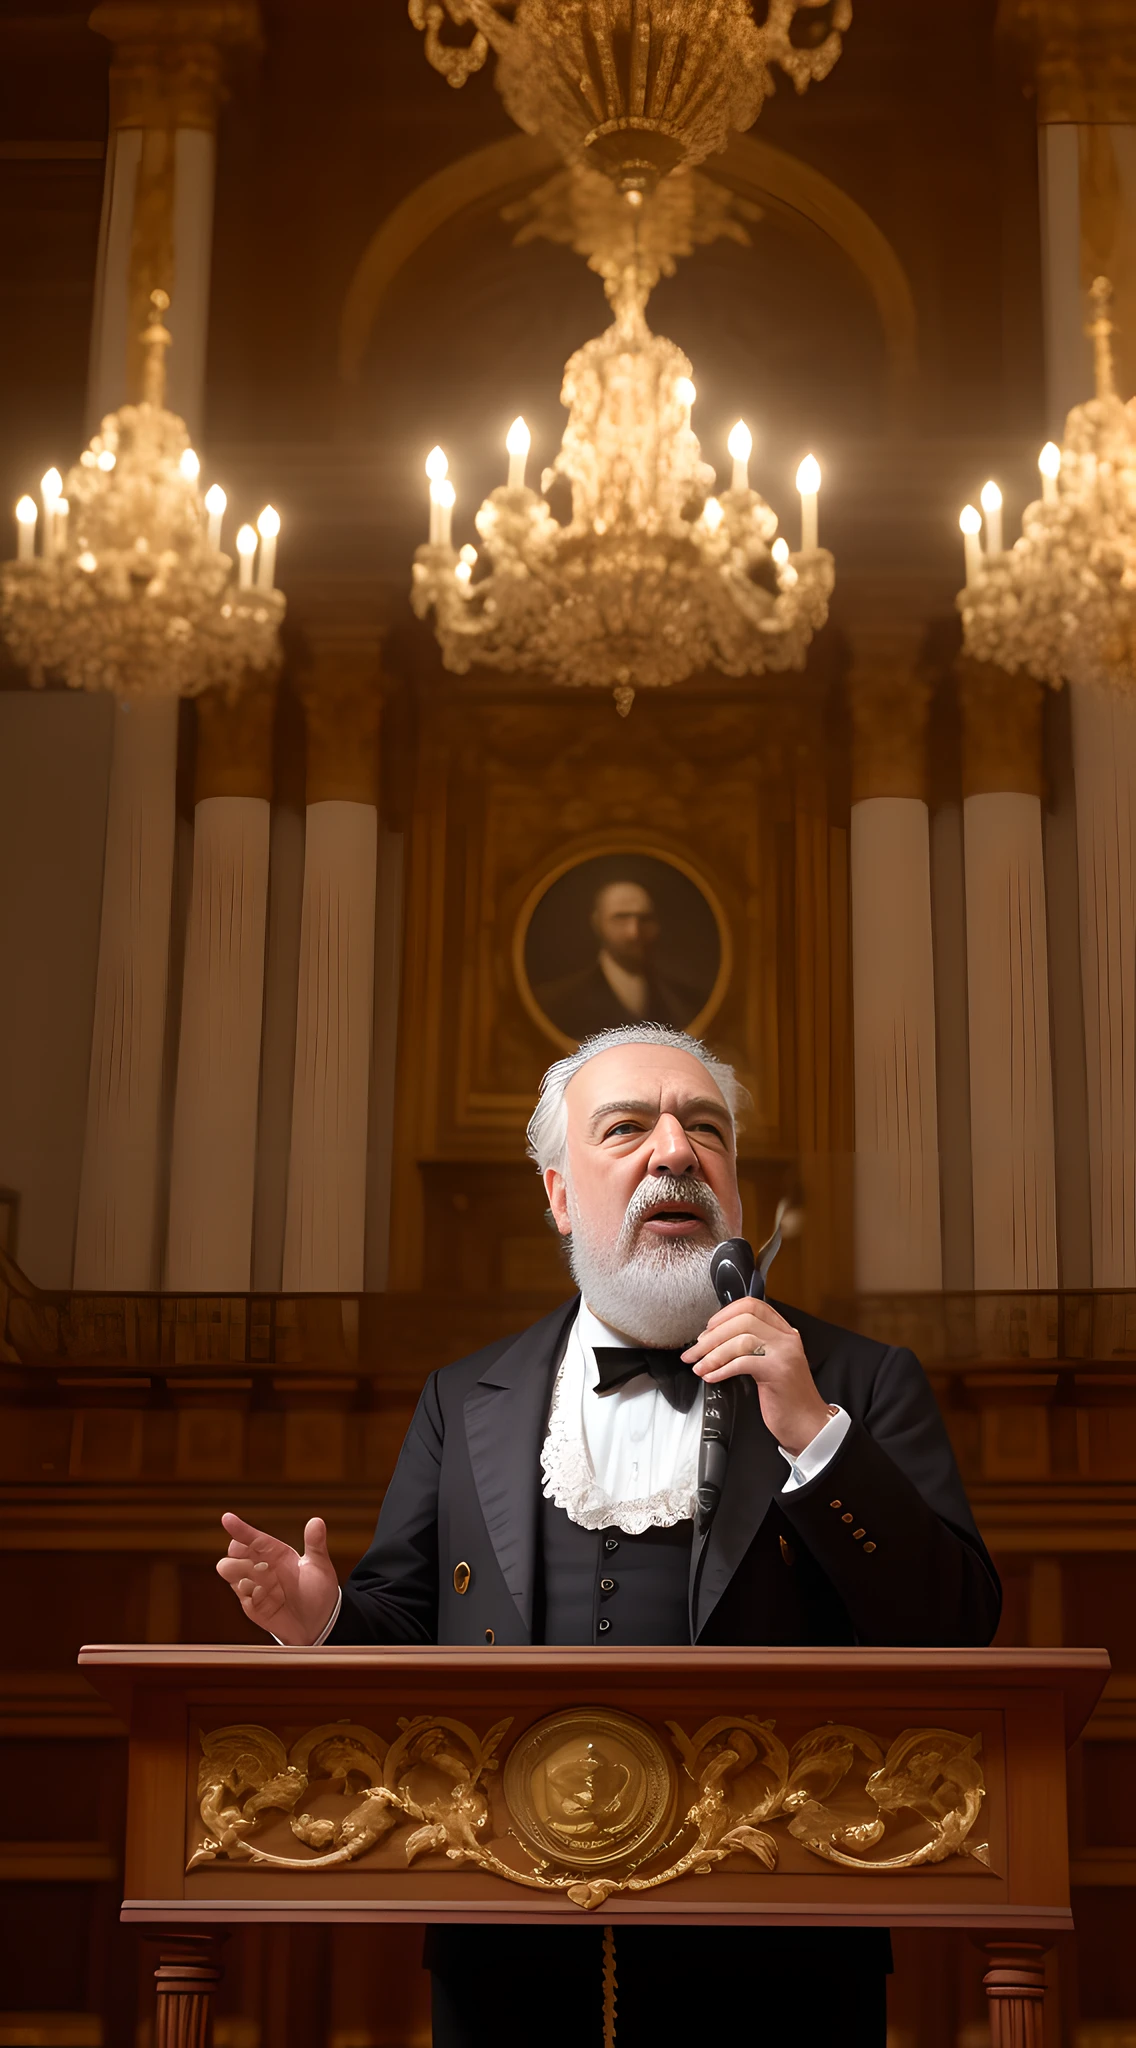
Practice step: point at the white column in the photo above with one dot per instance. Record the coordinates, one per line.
(325, 1219)
(1104, 764)
(327, 1173)
(1085, 60)
(116, 1233)
(1007, 970)
(893, 1007)
(213, 1163)
(1011, 1093)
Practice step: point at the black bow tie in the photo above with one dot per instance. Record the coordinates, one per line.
(671, 1374)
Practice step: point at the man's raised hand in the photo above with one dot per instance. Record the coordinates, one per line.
(290, 1596)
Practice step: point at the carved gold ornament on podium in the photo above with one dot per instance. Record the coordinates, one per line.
(592, 1799)
(635, 87)
(1061, 603)
(129, 590)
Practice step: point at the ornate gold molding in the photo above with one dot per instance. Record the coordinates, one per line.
(168, 64)
(1084, 57)
(234, 740)
(1001, 730)
(342, 698)
(593, 1797)
(889, 702)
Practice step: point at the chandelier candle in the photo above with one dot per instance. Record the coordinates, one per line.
(808, 484)
(268, 526)
(740, 445)
(215, 503)
(246, 549)
(991, 503)
(1049, 463)
(437, 469)
(51, 487)
(518, 441)
(26, 516)
(970, 523)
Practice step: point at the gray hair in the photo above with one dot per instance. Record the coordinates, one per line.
(548, 1126)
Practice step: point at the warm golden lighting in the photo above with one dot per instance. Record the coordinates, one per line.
(437, 465)
(26, 515)
(780, 551)
(268, 526)
(106, 460)
(685, 391)
(246, 549)
(51, 484)
(990, 499)
(740, 445)
(1049, 461)
(970, 522)
(190, 465)
(518, 441)
(808, 484)
(215, 501)
(712, 514)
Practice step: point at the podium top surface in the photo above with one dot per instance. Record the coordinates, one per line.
(117, 1670)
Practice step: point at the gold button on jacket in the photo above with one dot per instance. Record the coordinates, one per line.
(462, 1577)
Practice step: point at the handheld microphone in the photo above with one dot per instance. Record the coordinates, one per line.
(735, 1274)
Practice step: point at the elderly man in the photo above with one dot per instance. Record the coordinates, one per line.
(559, 1469)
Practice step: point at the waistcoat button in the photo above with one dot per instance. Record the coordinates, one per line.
(612, 1543)
(462, 1577)
(604, 1626)
(607, 1585)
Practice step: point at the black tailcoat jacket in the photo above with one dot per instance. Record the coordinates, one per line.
(880, 1547)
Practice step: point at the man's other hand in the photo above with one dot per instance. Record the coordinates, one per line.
(290, 1596)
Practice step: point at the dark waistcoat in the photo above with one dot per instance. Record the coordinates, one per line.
(602, 1586)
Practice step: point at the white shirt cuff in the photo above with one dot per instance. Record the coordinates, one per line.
(815, 1456)
(333, 1617)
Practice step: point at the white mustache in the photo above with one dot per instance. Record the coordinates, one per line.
(656, 1191)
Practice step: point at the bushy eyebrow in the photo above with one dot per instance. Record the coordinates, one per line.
(699, 1105)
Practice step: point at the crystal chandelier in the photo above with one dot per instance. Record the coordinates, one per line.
(1061, 603)
(634, 87)
(654, 577)
(129, 591)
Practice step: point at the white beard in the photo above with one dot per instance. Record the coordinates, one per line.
(655, 1290)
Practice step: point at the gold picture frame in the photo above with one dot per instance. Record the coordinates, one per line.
(639, 849)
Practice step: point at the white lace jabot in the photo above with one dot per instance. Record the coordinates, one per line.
(628, 1461)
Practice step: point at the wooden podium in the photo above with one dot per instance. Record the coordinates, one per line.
(818, 1787)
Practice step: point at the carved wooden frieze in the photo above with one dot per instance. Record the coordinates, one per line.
(590, 1801)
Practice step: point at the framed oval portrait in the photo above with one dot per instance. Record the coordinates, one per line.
(619, 936)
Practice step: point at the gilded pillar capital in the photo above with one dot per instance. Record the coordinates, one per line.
(1001, 730)
(1083, 54)
(234, 741)
(167, 70)
(342, 698)
(889, 701)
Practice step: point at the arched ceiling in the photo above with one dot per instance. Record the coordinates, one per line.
(756, 169)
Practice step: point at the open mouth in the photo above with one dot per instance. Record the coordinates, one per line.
(674, 1219)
